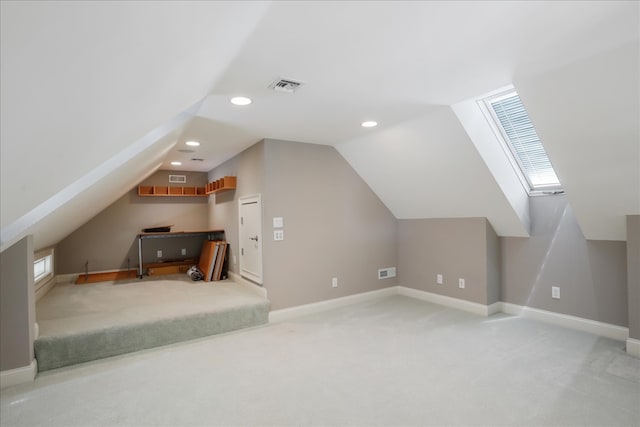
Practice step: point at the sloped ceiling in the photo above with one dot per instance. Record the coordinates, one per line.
(82, 81)
(410, 167)
(588, 115)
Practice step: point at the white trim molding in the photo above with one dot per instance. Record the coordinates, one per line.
(633, 347)
(317, 307)
(45, 287)
(460, 304)
(22, 375)
(615, 332)
(67, 278)
(256, 289)
(572, 322)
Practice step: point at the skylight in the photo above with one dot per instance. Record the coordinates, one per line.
(523, 143)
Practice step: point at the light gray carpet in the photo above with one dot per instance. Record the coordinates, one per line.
(390, 362)
(79, 323)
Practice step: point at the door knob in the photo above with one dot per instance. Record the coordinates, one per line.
(254, 238)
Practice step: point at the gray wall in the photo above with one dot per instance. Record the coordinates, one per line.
(454, 247)
(17, 305)
(633, 274)
(108, 240)
(334, 226)
(248, 167)
(592, 275)
(494, 259)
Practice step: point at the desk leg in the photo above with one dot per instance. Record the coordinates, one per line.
(139, 257)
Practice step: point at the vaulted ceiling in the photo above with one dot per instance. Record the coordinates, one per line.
(96, 95)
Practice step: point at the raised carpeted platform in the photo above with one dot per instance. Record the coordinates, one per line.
(82, 323)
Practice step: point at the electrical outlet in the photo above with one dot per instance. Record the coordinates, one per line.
(334, 282)
(159, 254)
(439, 279)
(385, 273)
(235, 260)
(555, 292)
(461, 283)
(183, 251)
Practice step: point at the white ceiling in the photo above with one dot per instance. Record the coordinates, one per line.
(587, 113)
(83, 80)
(392, 61)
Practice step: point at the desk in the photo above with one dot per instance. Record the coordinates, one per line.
(143, 236)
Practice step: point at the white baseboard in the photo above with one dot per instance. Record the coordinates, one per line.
(633, 347)
(317, 307)
(23, 375)
(257, 289)
(66, 278)
(44, 289)
(615, 332)
(572, 322)
(494, 308)
(464, 305)
(51, 283)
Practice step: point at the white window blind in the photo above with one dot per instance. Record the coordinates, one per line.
(42, 268)
(523, 142)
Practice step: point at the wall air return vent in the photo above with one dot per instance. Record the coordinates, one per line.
(178, 179)
(285, 85)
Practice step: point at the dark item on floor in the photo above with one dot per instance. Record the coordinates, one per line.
(194, 273)
(162, 229)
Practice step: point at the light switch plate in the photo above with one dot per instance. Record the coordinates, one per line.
(278, 222)
(278, 234)
(439, 280)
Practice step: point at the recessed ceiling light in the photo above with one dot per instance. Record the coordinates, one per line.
(192, 143)
(369, 124)
(240, 100)
(176, 163)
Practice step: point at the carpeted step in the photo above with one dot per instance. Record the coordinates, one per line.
(55, 351)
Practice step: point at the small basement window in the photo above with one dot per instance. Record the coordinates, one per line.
(522, 144)
(42, 266)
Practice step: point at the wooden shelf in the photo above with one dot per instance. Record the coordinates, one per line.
(164, 191)
(223, 184)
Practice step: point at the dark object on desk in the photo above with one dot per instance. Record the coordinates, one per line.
(163, 229)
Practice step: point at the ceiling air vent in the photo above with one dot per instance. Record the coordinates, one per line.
(178, 179)
(285, 85)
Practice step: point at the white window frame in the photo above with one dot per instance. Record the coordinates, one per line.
(498, 130)
(45, 256)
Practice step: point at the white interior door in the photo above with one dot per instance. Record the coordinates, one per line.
(251, 237)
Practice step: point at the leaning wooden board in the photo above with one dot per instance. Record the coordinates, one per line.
(169, 269)
(220, 260)
(207, 259)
